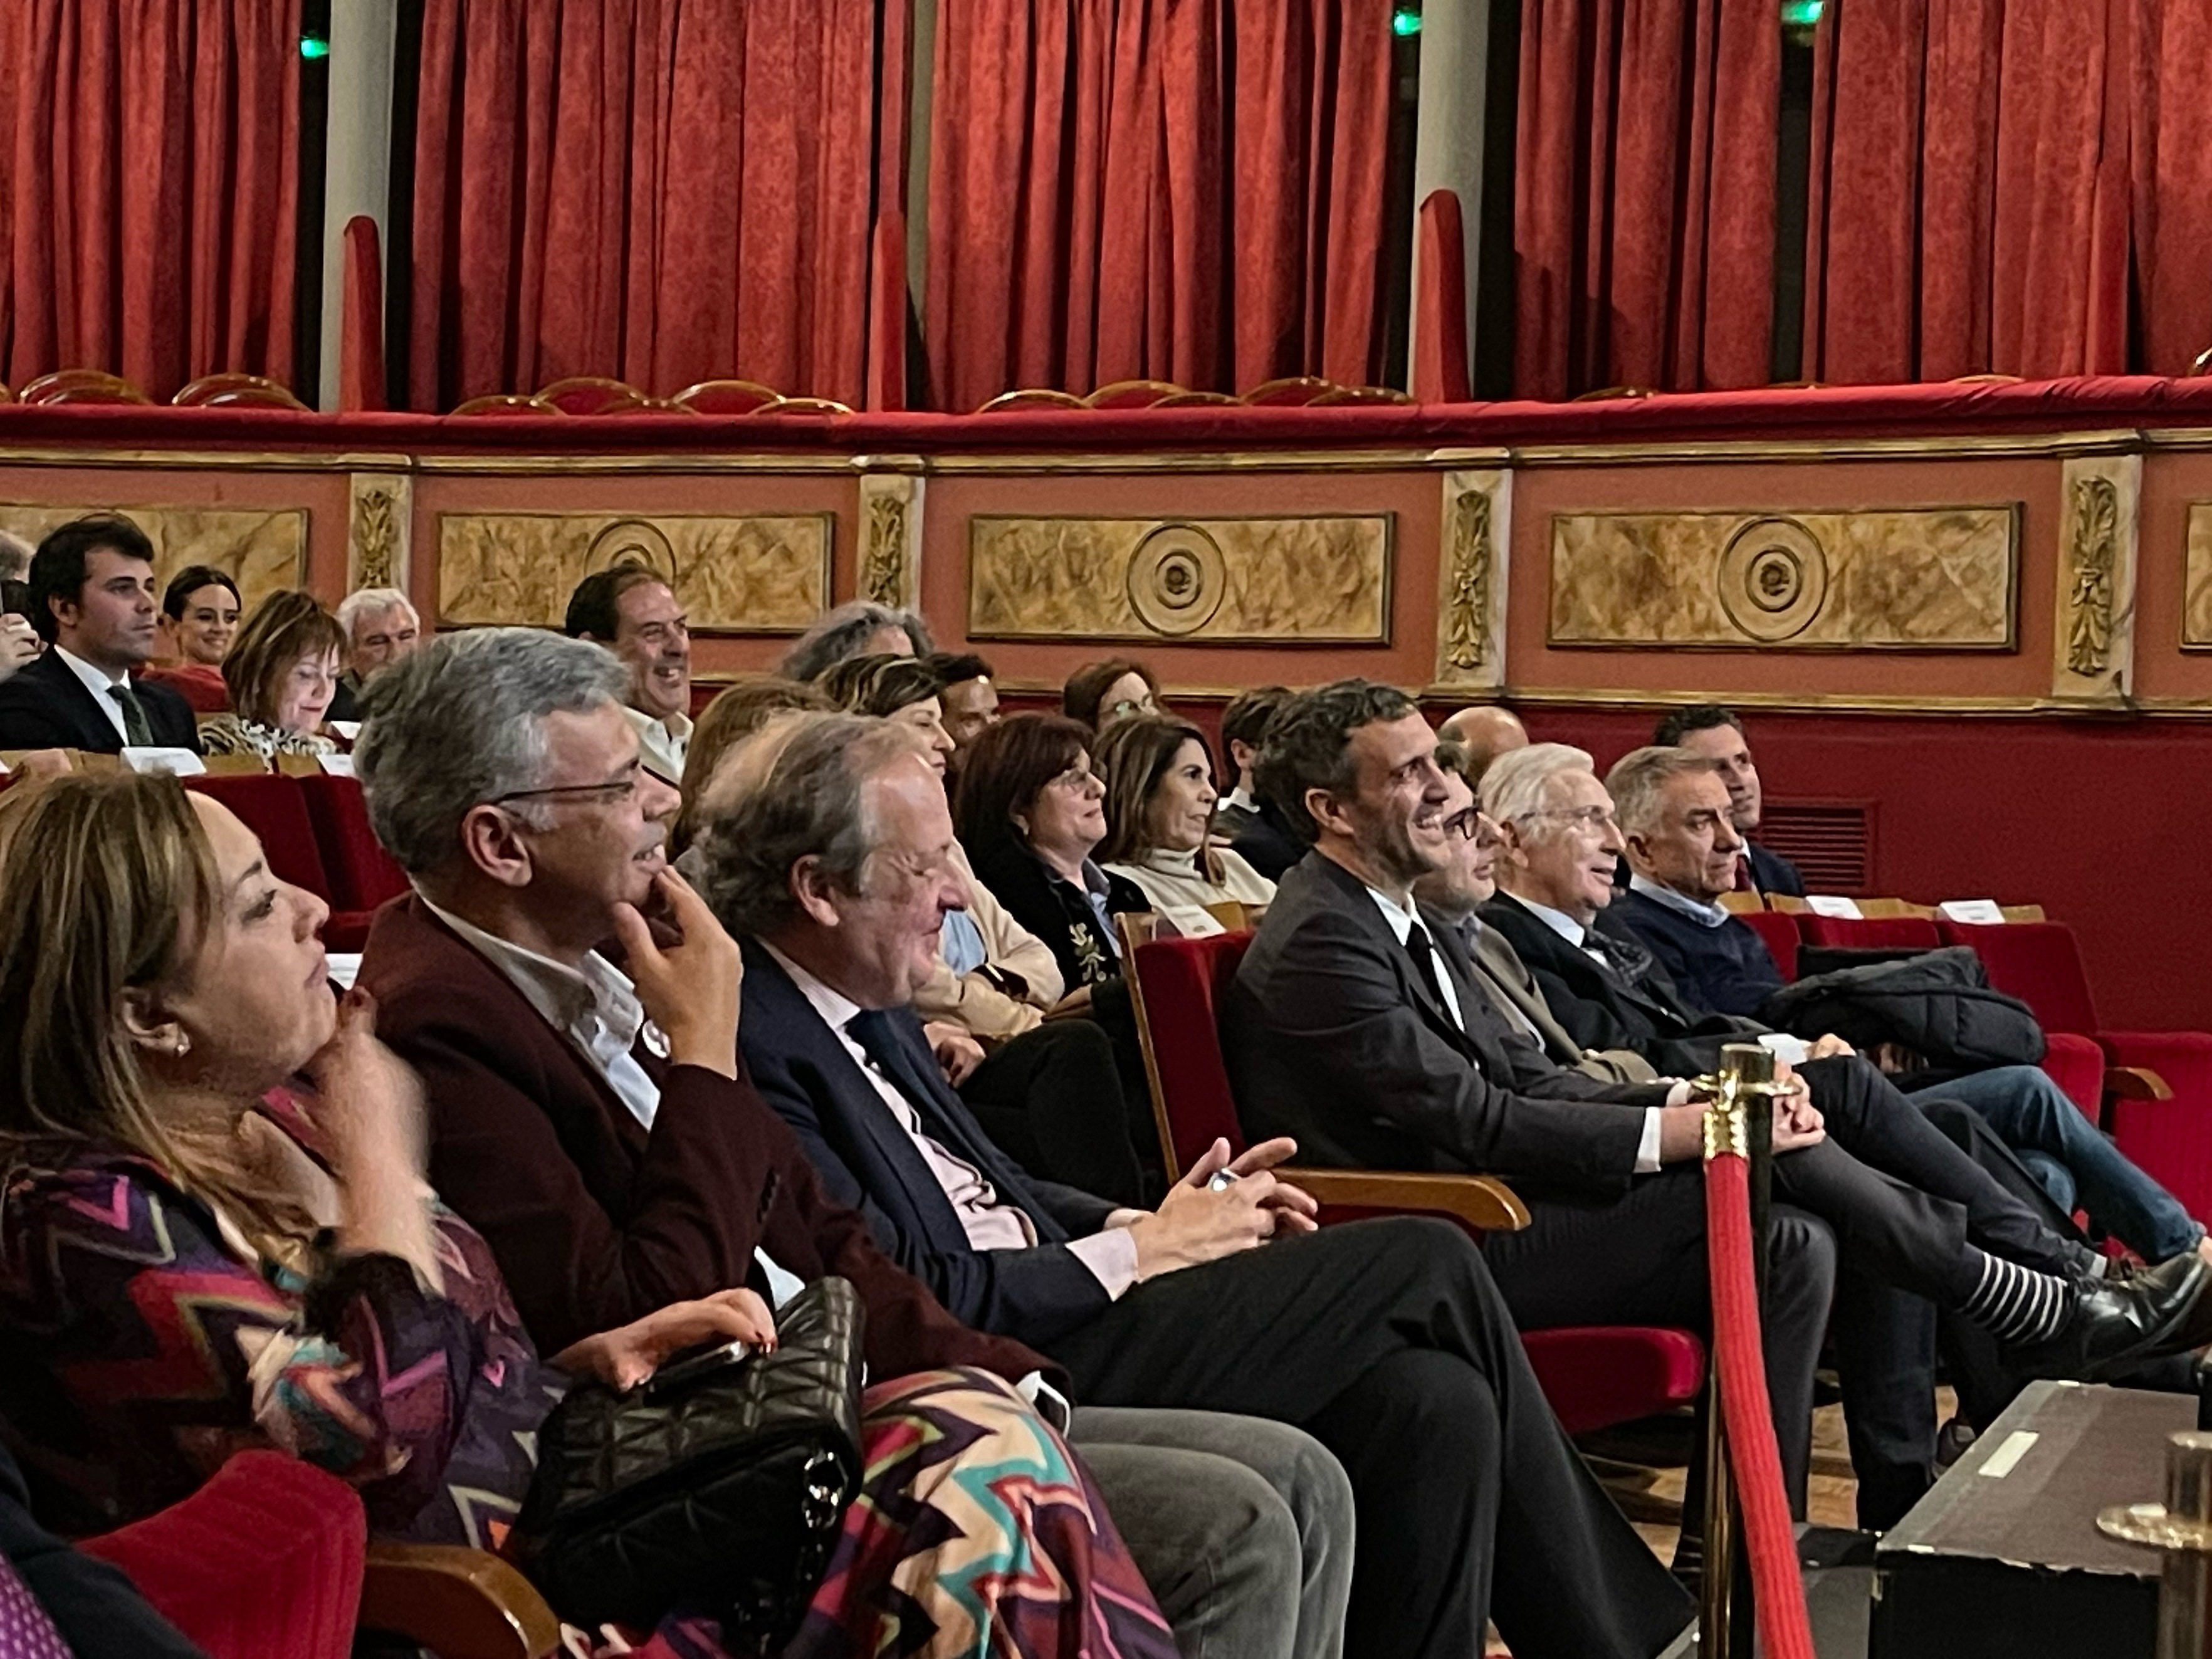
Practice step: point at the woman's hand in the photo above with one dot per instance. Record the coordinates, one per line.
(625, 1357)
(369, 1102)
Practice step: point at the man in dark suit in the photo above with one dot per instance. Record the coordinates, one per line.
(1385, 1339)
(93, 601)
(1709, 730)
(593, 1124)
(1355, 1026)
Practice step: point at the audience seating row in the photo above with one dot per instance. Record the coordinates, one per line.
(1594, 1376)
(315, 831)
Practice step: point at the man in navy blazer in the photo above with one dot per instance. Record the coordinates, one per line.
(93, 601)
(1717, 732)
(1385, 1339)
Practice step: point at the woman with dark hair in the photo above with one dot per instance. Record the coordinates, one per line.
(905, 690)
(198, 625)
(197, 1255)
(282, 672)
(1160, 814)
(1099, 693)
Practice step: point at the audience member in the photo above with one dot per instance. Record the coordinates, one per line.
(381, 626)
(593, 1122)
(1673, 800)
(1455, 893)
(971, 700)
(905, 690)
(282, 674)
(57, 1602)
(632, 612)
(1486, 730)
(1159, 818)
(156, 986)
(1355, 1027)
(859, 628)
(1243, 721)
(1385, 1339)
(92, 600)
(199, 619)
(738, 710)
(1099, 693)
(1716, 733)
(19, 639)
(15, 557)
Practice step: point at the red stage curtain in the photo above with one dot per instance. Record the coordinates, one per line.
(1643, 200)
(660, 192)
(1985, 171)
(150, 187)
(1183, 190)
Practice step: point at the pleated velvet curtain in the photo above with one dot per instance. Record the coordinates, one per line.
(2009, 187)
(1180, 189)
(1645, 195)
(661, 190)
(148, 188)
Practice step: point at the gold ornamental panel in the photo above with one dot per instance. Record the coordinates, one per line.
(1323, 579)
(2196, 595)
(262, 551)
(1922, 579)
(754, 574)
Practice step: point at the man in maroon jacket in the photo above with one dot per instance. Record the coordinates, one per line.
(592, 1124)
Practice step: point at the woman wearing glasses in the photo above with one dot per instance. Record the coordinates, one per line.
(1099, 693)
(1160, 816)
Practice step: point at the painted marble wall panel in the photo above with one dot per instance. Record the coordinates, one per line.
(262, 551)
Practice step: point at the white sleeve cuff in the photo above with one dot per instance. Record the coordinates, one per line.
(1048, 1402)
(1112, 1258)
(1647, 1148)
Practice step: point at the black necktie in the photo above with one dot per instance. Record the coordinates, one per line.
(1424, 957)
(136, 732)
(872, 1030)
(1629, 960)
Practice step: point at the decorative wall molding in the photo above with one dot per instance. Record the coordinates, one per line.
(379, 531)
(261, 550)
(2196, 592)
(754, 574)
(1477, 521)
(890, 538)
(1925, 579)
(1317, 579)
(2093, 643)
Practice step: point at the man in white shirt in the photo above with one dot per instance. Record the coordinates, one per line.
(630, 610)
(95, 602)
(1385, 1340)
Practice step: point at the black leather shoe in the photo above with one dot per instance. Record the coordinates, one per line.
(2112, 1325)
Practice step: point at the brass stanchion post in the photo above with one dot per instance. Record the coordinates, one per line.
(2182, 1528)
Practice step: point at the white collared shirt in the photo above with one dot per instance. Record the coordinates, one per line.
(661, 743)
(100, 683)
(1401, 924)
(597, 1010)
(990, 1223)
(1707, 916)
(1566, 927)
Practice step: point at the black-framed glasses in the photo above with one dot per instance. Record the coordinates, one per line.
(619, 789)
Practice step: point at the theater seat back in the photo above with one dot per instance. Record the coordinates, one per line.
(363, 874)
(1870, 932)
(271, 806)
(2037, 962)
(1178, 985)
(1780, 934)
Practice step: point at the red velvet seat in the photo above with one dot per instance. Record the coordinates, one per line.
(362, 875)
(1594, 1376)
(1779, 932)
(275, 807)
(1870, 932)
(263, 1562)
(2159, 1094)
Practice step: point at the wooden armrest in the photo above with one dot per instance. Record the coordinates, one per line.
(2136, 1083)
(1482, 1201)
(459, 1603)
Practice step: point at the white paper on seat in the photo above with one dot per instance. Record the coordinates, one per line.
(1986, 911)
(1789, 1050)
(337, 766)
(151, 758)
(346, 729)
(1830, 904)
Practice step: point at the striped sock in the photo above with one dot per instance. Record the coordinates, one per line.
(2017, 1304)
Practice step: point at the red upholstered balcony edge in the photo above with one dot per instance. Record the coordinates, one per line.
(2105, 403)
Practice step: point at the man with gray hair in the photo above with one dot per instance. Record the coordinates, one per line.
(859, 628)
(1386, 1339)
(381, 626)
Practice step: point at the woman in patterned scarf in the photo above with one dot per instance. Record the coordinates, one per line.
(194, 1258)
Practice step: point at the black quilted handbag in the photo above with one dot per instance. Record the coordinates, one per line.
(724, 1498)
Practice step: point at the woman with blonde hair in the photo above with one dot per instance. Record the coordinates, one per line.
(1160, 814)
(282, 670)
(198, 1254)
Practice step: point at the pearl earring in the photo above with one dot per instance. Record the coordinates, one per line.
(183, 1045)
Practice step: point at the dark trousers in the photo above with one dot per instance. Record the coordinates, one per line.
(1052, 1100)
(1640, 1259)
(1390, 1343)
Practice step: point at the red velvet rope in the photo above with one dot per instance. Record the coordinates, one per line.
(1769, 1542)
